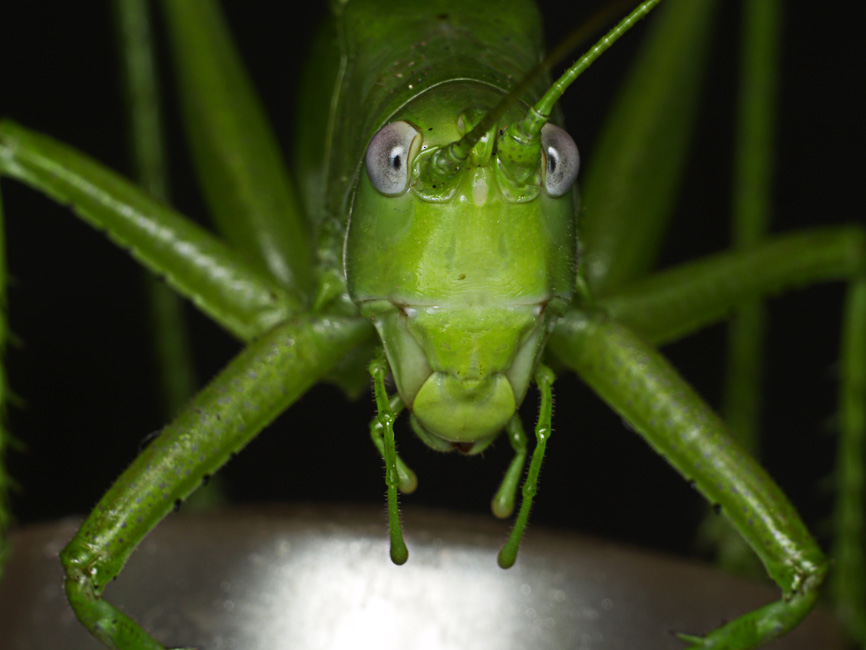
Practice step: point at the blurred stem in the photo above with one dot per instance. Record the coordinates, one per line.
(170, 333)
(752, 194)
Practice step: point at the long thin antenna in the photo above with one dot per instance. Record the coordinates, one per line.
(520, 146)
(545, 104)
(445, 162)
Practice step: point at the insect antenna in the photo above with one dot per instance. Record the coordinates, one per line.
(520, 145)
(522, 142)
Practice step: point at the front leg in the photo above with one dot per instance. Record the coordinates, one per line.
(261, 382)
(644, 389)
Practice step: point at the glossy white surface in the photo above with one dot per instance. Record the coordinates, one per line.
(280, 578)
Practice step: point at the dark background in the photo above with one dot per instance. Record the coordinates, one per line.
(82, 367)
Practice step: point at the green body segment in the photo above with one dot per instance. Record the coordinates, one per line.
(457, 286)
(376, 56)
(460, 294)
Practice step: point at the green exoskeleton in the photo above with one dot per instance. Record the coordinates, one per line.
(481, 248)
(446, 220)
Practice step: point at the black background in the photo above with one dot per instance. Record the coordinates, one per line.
(82, 367)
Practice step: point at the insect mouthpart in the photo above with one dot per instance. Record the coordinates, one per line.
(464, 411)
(461, 369)
(463, 447)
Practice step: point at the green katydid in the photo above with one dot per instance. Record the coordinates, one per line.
(624, 345)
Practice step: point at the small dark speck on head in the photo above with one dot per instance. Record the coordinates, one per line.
(177, 503)
(717, 508)
(205, 479)
(462, 276)
(692, 484)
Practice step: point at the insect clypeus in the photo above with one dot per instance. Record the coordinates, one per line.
(83, 423)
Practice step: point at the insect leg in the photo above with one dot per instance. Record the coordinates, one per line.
(751, 214)
(642, 387)
(671, 304)
(503, 501)
(192, 260)
(544, 379)
(261, 382)
(683, 299)
(252, 198)
(379, 368)
(408, 480)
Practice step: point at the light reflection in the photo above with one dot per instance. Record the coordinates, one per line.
(339, 593)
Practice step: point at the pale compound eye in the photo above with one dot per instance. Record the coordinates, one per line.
(563, 160)
(388, 157)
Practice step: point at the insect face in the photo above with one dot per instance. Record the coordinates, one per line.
(463, 278)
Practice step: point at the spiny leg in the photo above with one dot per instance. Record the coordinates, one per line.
(752, 209)
(683, 299)
(544, 379)
(193, 261)
(641, 386)
(378, 369)
(261, 382)
(408, 480)
(751, 214)
(502, 503)
(175, 375)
